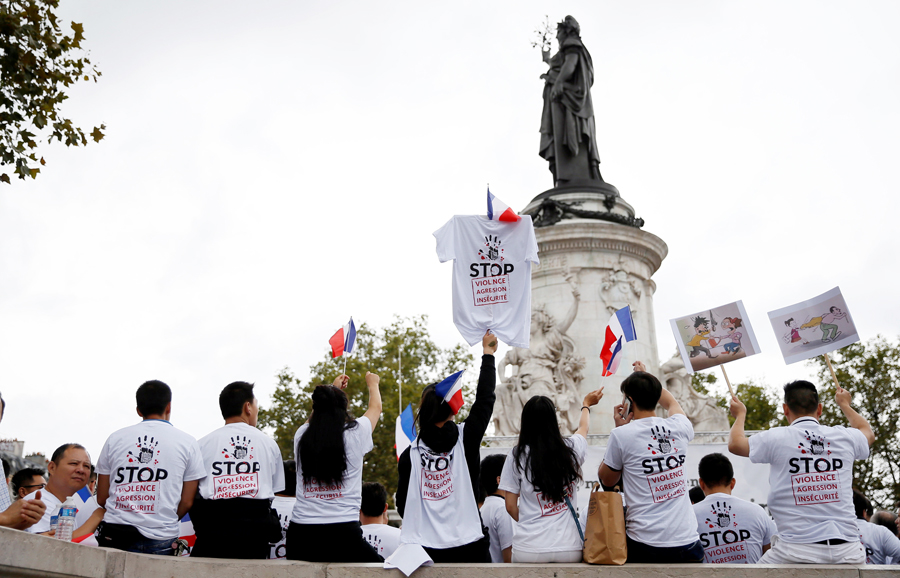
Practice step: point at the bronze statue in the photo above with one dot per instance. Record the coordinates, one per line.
(568, 133)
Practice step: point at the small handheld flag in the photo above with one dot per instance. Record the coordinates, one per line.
(406, 430)
(450, 390)
(497, 210)
(344, 340)
(619, 330)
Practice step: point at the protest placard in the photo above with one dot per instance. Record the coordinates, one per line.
(813, 327)
(714, 336)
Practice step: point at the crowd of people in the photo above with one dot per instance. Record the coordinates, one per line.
(521, 507)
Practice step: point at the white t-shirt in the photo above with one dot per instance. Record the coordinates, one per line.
(82, 514)
(499, 524)
(383, 537)
(882, 547)
(811, 479)
(332, 504)
(544, 525)
(650, 453)
(491, 276)
(147, 464)
(284, 505)
(732, 530)
(240, 462)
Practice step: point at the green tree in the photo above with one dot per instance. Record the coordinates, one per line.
(378, 351)
(38, 62)
(762, 403)
(871, 372)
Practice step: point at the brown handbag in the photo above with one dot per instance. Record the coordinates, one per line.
(604, 536)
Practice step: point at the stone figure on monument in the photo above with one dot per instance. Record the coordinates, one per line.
(549, 367)
(701, 409)
(619, 289)
(568, 133)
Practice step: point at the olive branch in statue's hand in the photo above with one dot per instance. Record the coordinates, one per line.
(543, 37)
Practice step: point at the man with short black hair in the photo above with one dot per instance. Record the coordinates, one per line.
(26, 481)
(647, 454)
(811, 476)
(882, 546)
(373, 520)
(21, 514)
(244, 470)
(67, 473)
(148, 476)
(732, 530)
(493, 511)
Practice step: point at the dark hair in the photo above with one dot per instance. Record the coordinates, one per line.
(93, 475)
(549, 460)
(61, 451)
(321, 447)
(643, 388)
(152, 397)
(432, 409)
(788, 322)
(290, 478)
(491, 468)
(233, 398)
(861, 504)
(886, 519)
(801, 397)
(374, 499)
(716, 470)
(696, 495)
(21, 477)
(698, 321)
(832, 308)
(6, 468)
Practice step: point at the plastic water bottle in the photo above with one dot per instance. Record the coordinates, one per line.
(65, 525)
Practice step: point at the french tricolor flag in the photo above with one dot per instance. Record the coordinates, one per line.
(406, 430)
(450, 390)
(619, 330)
(500, 211)
(343, 341)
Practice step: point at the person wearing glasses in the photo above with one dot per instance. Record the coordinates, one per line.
(27, 480)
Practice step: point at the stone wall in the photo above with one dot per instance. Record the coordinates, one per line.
(23, 555)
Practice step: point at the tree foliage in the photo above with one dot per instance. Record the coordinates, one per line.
(38, 63)
(871, 372)
(423, 362)
(762, 402)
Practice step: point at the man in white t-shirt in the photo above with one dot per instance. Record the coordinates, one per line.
(493, 511)
(21, 514)
(647, 454)
(148, 477)
(243, 471)
(882, 546)
(67, 473)
(732, 530)
(373, 520)
(811, 477)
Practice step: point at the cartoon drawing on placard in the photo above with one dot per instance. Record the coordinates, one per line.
(826, 325)
(715, 336)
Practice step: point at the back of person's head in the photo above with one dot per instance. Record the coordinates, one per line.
(801, 397)
(861, 504)
(491, 468)
(93, 473)
(432, 409)
(233, 398)
(321, 447)
(290, 478)
(60, 452)
(152, 397)
(886, 519)
(541, 451)
(696, 495)
(716, 470)
(643, 388)
(22, 478)
(374, 499)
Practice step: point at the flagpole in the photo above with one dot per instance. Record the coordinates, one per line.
(400, 379)
(731, 391)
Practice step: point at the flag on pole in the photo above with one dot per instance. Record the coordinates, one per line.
(406, 430)
(497, 210)
(450, 390)
(343, 341)
(619, 330)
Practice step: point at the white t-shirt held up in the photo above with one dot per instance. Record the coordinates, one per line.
(147, 464)
(650, 453)
(240, 462)
(332, 504)
(544, 525)
(732, 530)
(811, 479)
(491, 276)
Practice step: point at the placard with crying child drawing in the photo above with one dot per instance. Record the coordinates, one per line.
(714, 336)
(813, 327)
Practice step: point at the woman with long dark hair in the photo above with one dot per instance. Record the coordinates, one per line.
(539, 478)
(439, 473)
(329, 451)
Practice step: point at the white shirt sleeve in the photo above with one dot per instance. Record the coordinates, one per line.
(505, 529)
(761, 447)
(364, 433)
(681, 424)
(446, 241)
(277, 466)
(579, 445)
(510, 477)
(531, 253)
(860, 443)
(771, 530)
(195, 469)
(613, 456)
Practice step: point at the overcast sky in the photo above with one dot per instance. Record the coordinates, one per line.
(272, 168)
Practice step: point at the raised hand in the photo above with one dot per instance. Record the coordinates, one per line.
(489, 342)
(341, 381)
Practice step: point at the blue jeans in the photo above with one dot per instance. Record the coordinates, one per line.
(645, 554)
(127, 538)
